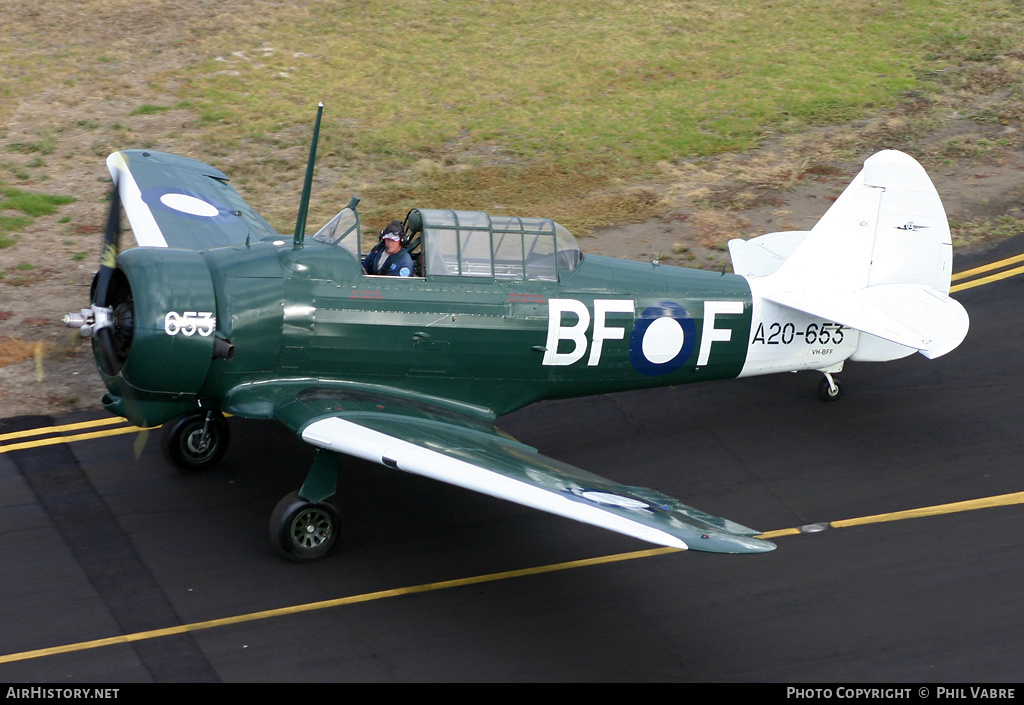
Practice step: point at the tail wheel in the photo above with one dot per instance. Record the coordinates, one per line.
(195, 441)
(829, 389)
(303, 531)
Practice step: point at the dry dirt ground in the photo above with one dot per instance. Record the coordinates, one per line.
(976, 165)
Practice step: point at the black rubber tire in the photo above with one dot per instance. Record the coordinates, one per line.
(182, 446)
(825, 390)
(302, 531)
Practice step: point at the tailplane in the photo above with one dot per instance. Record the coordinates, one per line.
(879, 260)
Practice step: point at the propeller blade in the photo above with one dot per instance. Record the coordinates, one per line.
(111, 245)
(104, 334)
(99, 320)
(104, 337)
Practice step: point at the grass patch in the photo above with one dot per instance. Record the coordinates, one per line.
(509, 100)
(648, 80)
(978, 231)
(9, 224)
(149, 109)
(580, 196)
(31, 205)
(44, 146)
(486, 89)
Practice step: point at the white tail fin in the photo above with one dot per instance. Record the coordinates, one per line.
(880, 260)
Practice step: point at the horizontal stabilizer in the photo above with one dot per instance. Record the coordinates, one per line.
(762, 255)
(911, 315)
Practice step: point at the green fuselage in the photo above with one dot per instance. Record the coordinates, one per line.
(307, 318)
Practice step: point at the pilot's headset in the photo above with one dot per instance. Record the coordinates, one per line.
(395, 227)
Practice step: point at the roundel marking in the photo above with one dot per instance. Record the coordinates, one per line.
(190, 205)
(663, 339)
(187, 203)
(609, 499)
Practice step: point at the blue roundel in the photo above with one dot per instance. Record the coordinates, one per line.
(663, 339)
(187, 203)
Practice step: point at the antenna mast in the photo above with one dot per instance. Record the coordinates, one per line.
(307, 186)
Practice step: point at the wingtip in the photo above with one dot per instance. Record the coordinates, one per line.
(116, 163)
(731, 543)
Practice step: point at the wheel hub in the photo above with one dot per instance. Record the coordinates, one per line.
(312, 528)
(198, 442)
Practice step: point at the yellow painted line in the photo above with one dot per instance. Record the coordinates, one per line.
(780, 532)
(44, 430)
(328, 604)
(988, 267)
(54, 440)
(954, 507)
(1003, 500)
(51, 439)
(983, 503)
(986, 280)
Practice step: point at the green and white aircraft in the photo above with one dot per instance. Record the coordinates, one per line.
(216, 313)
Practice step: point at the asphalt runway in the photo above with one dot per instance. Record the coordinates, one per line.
(101, 543)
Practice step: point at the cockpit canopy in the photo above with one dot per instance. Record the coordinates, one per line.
(475, 244)
(447, 243)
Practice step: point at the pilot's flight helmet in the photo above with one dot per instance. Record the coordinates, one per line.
(394, 231)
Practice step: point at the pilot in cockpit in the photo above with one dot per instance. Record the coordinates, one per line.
(389, 257)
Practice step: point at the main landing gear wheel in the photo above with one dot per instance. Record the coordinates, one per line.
(302, 531)
(829, 389)
(195, 441)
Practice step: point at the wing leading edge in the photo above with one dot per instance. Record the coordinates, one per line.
(498, 466)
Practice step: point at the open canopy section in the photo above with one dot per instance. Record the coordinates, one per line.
(475, 244)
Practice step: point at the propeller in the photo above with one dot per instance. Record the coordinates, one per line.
(111, 243)
(108, 264)
(98, 320)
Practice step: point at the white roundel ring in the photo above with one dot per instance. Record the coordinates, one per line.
(662, 340)
(191, 205)
(200, 206)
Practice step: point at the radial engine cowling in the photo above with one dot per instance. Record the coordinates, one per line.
(165, 313)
